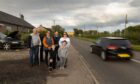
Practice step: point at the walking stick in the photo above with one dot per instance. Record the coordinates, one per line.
(39, 56)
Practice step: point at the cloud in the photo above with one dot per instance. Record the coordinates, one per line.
(73, 13)
(135, 3)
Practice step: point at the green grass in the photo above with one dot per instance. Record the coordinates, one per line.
(135, 47)
(86, 39)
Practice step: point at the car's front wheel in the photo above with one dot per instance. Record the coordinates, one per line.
(6, 46)
(103, 56)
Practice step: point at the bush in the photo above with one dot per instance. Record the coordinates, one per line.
(24, 37)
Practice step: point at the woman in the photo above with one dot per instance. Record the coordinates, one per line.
(48, 43)
(65, 38)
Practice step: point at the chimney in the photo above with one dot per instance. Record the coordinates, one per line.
(22, 16)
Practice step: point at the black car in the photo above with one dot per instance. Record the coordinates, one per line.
(10, 41)
(113, 47)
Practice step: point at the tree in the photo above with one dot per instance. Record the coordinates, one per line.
(132, 33)
(58, 28)
(78, 32)
(117, 33)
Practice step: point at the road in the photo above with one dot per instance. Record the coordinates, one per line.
(110, 72)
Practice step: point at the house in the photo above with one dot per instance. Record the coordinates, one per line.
(42, 28)
(11, 23)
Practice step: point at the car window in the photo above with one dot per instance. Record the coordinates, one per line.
(2, 35)
(120, 42)
(103, 42)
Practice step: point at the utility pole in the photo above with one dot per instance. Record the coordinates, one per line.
(54, 22)
(126, 21)
(84, 27)
(97, 30)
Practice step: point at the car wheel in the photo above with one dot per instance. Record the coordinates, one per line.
(6, 46)
(128, 59)
(103, 56)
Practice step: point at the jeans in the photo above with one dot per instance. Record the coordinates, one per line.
(41, 53)
(34, 55)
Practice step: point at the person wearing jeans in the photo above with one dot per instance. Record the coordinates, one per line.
(33, 43)
(56, 39)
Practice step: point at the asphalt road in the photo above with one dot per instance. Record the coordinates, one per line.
(112, 71)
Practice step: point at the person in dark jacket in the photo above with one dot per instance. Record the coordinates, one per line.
(56, 38)
(41, 47)
(33, 43)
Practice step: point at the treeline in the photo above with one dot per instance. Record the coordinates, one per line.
(132, 33)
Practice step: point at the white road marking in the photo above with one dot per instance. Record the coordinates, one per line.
(86, 65)
(137, 61)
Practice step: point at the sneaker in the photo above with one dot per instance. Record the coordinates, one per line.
(50, 68)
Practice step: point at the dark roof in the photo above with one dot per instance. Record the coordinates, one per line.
(114, 37)
(10, 19)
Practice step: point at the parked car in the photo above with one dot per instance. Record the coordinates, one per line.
(113, 47)
(10, 41)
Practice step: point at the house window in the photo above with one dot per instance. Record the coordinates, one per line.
(28, 30)
(8, 28)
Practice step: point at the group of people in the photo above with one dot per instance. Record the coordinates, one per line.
(55, 48)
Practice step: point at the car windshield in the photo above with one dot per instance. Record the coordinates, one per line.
(2, 35)
(120, 42)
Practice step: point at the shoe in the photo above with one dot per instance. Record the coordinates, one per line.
(50, 68)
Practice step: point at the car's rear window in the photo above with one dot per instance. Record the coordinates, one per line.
(120, 42)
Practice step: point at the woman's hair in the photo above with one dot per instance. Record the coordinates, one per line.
(66, 34)
(64, 41)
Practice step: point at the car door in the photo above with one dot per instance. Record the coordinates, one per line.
(97, 46)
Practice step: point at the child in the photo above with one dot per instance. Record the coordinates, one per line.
(63, 53)
(51, 59)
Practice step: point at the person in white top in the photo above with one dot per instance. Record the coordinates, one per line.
(65, 38)
(62, 51)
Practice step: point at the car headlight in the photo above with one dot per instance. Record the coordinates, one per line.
(2, 41)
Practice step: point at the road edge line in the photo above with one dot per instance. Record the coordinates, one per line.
(135, 60)
(86, 65)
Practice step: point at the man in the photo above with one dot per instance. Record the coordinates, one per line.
(56, 38)
(41, 48)
(33, 43)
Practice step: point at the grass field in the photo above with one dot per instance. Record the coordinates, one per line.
(135, 47)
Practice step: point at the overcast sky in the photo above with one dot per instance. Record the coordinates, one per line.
(107, 14)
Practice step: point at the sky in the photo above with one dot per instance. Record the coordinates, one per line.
(107, 15)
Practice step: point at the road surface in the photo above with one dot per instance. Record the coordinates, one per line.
(110, 72)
